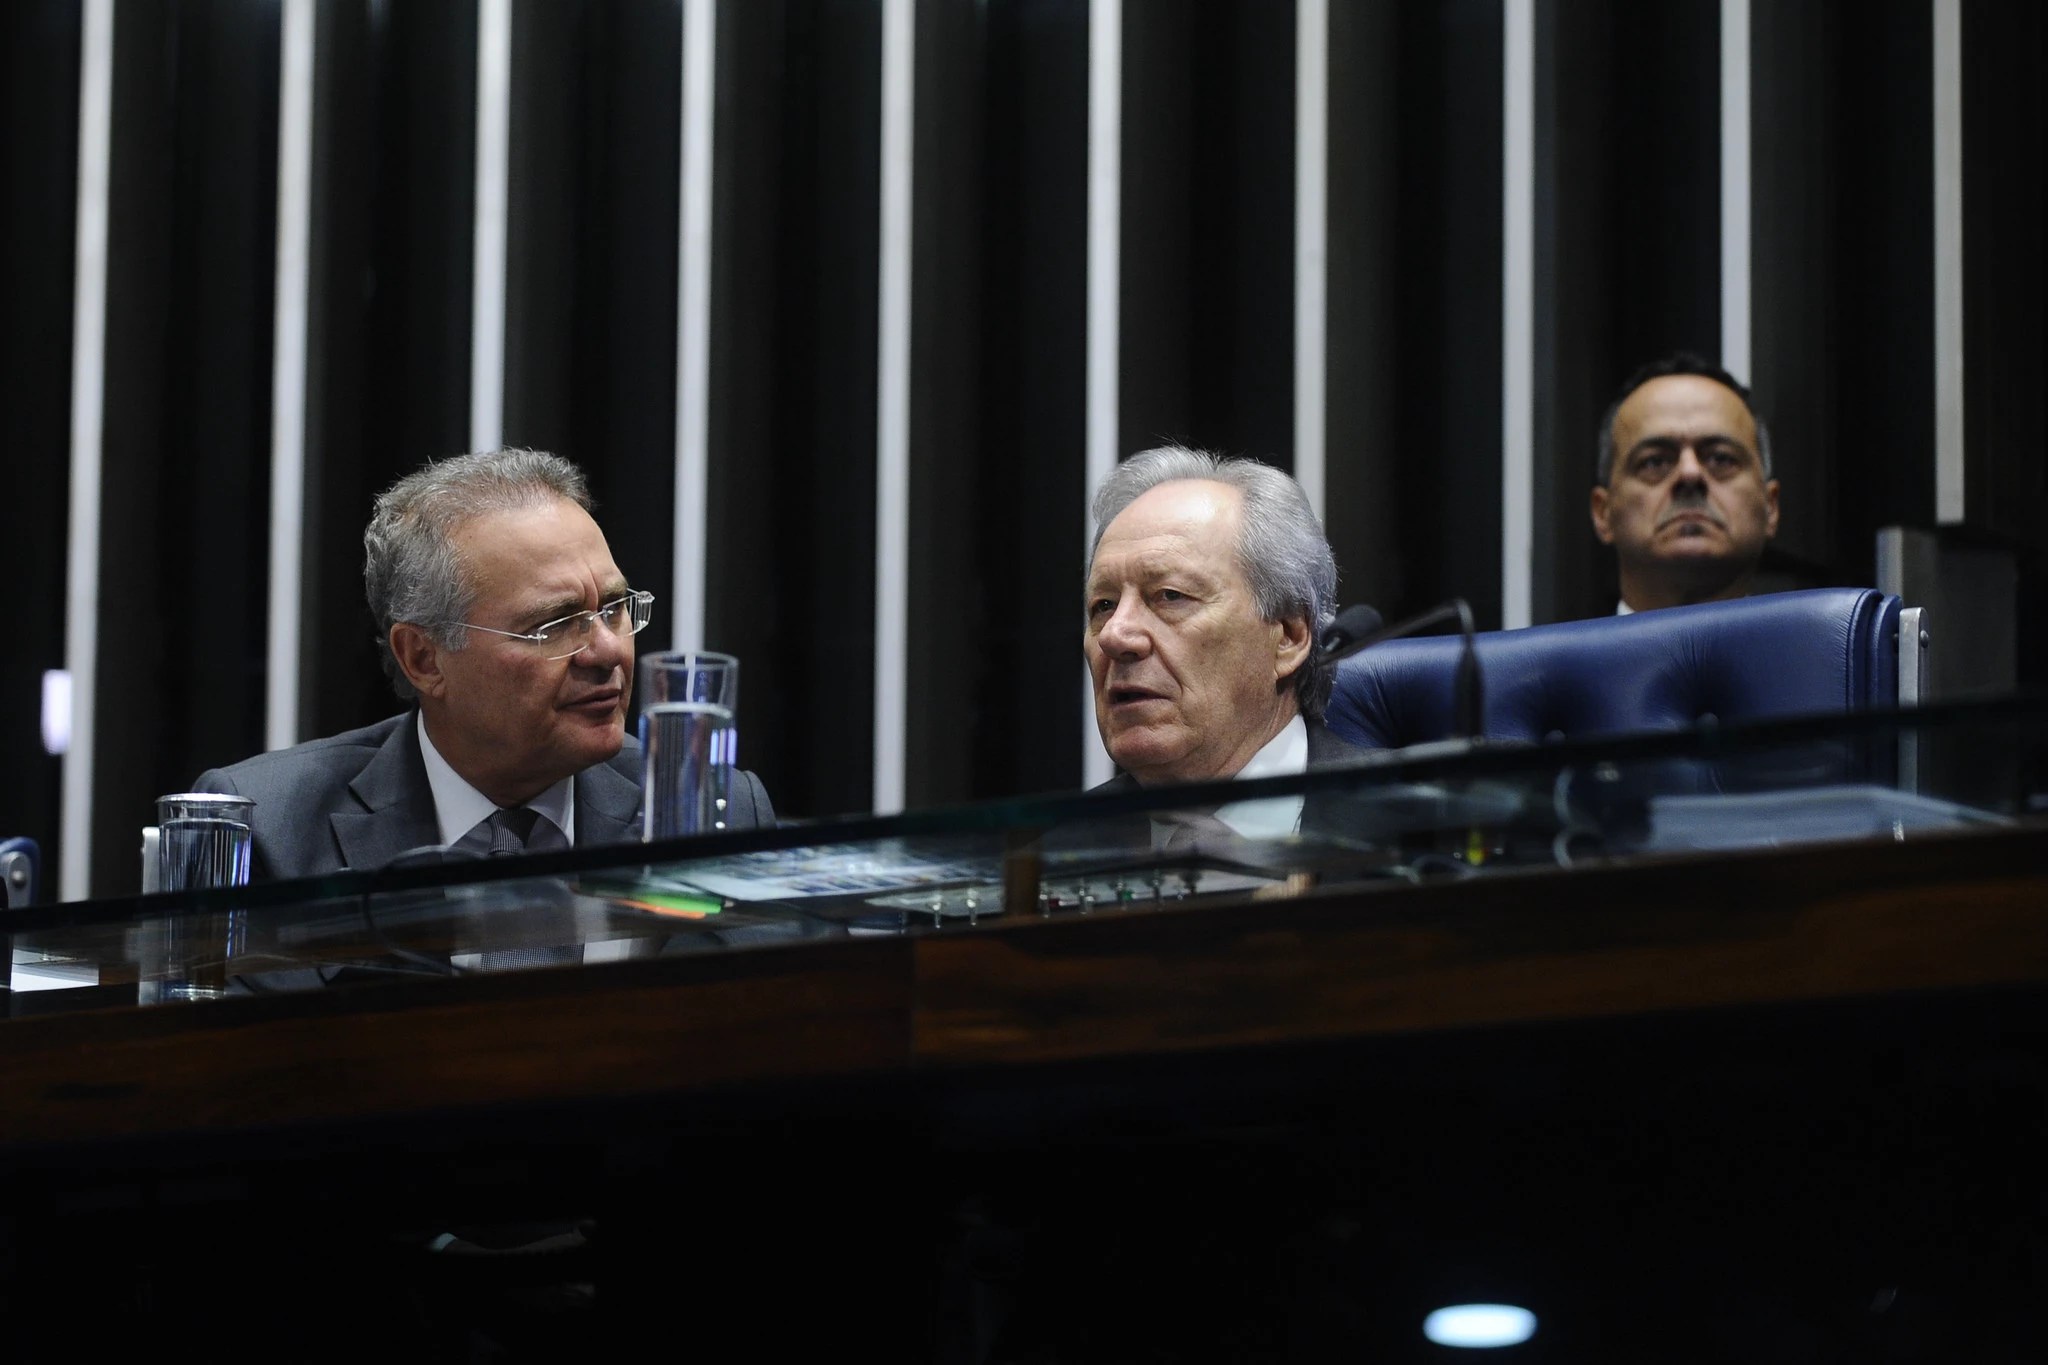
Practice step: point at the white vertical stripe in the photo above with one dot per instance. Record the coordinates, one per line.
(892, 426)
(1735, 270)
(693, 322)
(1891, 560)
(1948, 262)
(1105, 272)
(288, 372)
(88, 395)
(1518, 311)
(1311, 241)
(493, 170)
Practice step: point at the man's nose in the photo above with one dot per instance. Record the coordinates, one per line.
(1124, 632)
(603, 647)
(1689, 469)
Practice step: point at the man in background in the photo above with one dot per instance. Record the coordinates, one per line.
(1682, 487)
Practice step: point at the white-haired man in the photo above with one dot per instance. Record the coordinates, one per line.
(1208, 587)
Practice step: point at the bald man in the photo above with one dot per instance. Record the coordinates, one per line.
(1683, 488)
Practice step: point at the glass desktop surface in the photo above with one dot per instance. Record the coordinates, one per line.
(1401, 818)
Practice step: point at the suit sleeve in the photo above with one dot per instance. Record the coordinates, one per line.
(757, 797)
(216, 780)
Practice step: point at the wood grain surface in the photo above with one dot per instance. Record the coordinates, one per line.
(1947, 913)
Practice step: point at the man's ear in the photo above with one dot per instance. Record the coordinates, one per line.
(1601, 528)
(1771, 500)
(419, 658)
(1292, 647)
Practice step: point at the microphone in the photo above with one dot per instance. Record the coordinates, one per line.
(1360, 627)
(1353, 623)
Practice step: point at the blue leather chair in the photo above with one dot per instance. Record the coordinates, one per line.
(1782, 654)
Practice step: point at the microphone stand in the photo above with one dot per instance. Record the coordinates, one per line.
(1361, 627)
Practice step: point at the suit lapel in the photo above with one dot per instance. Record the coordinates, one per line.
(1330, 813)
(608, 801)
(1325, 747)
(398, 805)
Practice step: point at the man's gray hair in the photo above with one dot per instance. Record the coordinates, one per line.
(412, 571)
(1281, 549)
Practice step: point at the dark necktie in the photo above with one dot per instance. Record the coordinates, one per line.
(1189, 831)
(506, 831)
(511, 827)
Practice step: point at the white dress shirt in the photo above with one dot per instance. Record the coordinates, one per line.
(460, 807)
(1284, 754)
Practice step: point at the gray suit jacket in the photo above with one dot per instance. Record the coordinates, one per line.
(359, 799)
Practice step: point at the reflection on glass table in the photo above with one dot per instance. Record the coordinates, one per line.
(1395, 820)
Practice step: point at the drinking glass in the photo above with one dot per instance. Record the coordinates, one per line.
(689, 741)
(203, 840)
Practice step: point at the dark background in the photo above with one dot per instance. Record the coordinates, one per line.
(1627, 262)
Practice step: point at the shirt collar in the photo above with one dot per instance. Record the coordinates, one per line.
(1284, 755)
(459, 807)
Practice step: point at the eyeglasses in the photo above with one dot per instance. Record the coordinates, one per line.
(569, 635)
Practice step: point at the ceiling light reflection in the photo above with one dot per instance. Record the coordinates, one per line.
(1479, 1325)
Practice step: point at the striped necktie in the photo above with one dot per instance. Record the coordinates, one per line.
(512, 829)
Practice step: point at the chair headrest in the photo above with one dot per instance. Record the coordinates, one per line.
(1782, 654)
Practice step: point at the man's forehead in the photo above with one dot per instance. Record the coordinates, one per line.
(1153, 560)
(1192, 510)
(537, 553)
(1683, 405)
(1173, 525)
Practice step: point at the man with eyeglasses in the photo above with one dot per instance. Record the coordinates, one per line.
(502, 617)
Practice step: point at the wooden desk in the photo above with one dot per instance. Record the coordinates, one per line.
(1531, 1025)
(1832, 923)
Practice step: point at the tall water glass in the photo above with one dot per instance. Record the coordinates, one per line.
(203, 840)
(691, 743)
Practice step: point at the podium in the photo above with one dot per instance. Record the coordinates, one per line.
(1711, 1046)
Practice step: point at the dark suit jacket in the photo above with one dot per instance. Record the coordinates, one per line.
(360, 799)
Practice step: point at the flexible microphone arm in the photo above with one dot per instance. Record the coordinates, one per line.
(1360, 627)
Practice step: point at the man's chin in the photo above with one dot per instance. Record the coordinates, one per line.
(1691, 538)
(1148, 762)
(1694, 556)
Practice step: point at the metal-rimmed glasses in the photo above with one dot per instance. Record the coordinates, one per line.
(567, 635)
